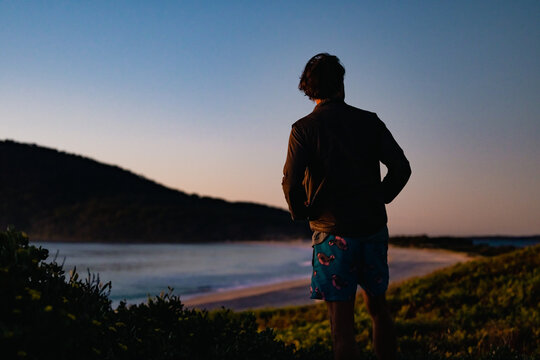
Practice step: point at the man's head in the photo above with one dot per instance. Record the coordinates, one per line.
(323, 78)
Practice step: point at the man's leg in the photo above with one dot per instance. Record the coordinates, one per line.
(384, 335)
(341, 315)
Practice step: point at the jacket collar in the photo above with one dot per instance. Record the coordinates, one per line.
(325, 102)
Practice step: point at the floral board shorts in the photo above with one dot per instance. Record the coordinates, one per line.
(340, 263)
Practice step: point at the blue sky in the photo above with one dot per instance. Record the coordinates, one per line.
(200, 95)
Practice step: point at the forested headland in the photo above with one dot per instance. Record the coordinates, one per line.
(56, 196)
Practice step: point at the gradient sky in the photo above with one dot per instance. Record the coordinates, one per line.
(200, 96)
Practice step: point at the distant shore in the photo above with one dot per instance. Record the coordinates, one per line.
(405, 263)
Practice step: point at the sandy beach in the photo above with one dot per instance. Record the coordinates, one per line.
(404, 263)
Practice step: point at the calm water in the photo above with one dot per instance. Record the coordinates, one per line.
(137, 270)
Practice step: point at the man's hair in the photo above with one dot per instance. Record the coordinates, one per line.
(323, 77)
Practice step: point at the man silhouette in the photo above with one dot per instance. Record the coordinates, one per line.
(332, 178)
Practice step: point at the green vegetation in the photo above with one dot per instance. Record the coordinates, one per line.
(43, 316)
(63, 197)
(486, 309)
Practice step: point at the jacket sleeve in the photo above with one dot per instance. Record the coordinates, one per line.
(293, 175)
(399, 169)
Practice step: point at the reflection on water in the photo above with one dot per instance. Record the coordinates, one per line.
(139, 270)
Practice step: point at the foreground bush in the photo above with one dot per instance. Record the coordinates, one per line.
(484, 309)
(487, 309)
(43, 315)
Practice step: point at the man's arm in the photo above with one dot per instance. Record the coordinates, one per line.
(293, 175)
(399, 169)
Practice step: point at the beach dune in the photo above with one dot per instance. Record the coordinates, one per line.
(404, 263)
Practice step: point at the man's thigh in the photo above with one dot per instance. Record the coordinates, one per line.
(340, 263)
(341, 314)
(373, 273)
(334, 275)
(375, 305)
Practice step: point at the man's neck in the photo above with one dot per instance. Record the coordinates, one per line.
(324, 101)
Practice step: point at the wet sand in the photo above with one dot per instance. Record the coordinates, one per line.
(405, 263)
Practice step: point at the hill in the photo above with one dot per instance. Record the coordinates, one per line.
(58, 196)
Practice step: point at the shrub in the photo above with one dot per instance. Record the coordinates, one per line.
(44, 314)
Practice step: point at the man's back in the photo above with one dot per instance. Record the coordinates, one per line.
(332, 177)
(333, 161)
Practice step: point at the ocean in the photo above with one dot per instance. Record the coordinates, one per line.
(141, 270)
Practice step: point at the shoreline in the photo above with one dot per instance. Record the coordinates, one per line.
(284, 241)
(404, 264)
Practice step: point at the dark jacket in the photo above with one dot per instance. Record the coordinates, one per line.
(332, 173)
